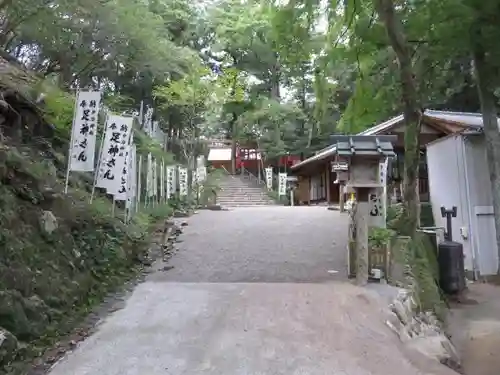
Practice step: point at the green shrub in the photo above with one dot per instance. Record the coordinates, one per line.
(380, 237)
(281, 199)
(59, 107)
(426, 217)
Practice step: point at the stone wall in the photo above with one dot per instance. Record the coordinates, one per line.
(421, 331)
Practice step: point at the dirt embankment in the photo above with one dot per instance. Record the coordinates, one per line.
(59, 255)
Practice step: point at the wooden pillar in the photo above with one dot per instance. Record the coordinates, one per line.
(361, 216)
(341, 197)
(327, 183)
(258, 166)
(309, 190)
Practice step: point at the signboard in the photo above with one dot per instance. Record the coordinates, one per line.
(341, 177)
(340, 166)
(383, 169)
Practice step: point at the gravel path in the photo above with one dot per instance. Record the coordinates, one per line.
(250, 294)
(262, 244)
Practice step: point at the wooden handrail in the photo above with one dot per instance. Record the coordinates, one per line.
(227, 172)
(250, 174)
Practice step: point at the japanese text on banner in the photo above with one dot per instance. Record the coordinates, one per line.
(121, 193)
(269, 178)
(84, 132)
(171, 188)
(149, 176)
(183, 182)
(155, 178)
(131, 177)
(282, 184)
(113, 168)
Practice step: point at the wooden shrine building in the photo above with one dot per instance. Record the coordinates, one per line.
(317, 182)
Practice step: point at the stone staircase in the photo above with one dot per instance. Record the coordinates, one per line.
(238, 191)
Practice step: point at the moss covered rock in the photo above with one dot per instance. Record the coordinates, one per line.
(8, 346)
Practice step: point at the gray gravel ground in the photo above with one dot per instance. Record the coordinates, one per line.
(249, 295)
(261, 244)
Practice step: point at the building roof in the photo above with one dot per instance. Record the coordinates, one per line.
(349, 145)
(464, 119)
(460, 118)
(219, 154)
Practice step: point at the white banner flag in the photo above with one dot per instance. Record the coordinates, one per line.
(171, 187)
(139, 182)
(123, 190)
(202, 173)
(84, 131)
(282, 184)
(383, 181)
(155, 178)
(148, 122)
(183, 181)
(149, 176)
(194, 180)
(162, 179)
(114, 154)
(269, 178)
(131, 177)
(120, 193)
(175, 179)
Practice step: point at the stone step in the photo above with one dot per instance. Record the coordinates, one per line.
(250, 190)
(241, 191)
(244, 200)
(237, 192)
(239, 204)
(236, 195)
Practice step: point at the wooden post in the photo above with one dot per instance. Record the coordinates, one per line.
(309, 192)
(417, 183)
(341, 197)
(327, 183)
(361, 223)
(258, 166)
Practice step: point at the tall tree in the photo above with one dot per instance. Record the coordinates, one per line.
(484, 33)
(412, 113)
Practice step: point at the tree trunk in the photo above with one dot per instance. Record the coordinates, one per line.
(233, 143)
(232, 123)
(303, 106)
(484, 76)
(412, 115)
(275, 80)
